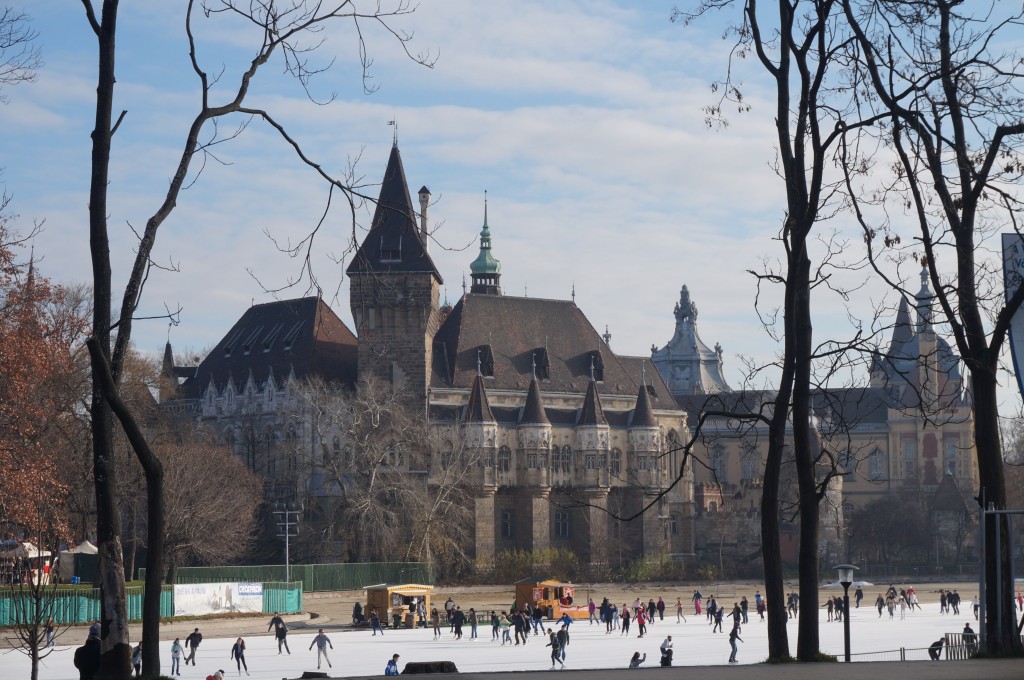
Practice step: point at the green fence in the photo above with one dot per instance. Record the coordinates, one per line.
(74, 605)
(314, 577)
(82, 605)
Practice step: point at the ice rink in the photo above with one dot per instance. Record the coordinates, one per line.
(358, 653)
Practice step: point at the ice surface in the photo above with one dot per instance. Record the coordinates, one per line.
(358, 653)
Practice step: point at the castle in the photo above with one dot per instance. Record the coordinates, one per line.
(566, 434)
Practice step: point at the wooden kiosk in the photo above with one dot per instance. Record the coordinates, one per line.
(553, 597)
(396, 604)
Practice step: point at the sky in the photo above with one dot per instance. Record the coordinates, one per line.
(356, 653)
(583, 122)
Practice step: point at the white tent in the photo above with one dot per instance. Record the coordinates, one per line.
(66, 561)
(25, 549)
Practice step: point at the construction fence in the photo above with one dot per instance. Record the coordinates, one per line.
(314, 577)
(68, 605)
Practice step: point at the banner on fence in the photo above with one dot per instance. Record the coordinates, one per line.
(196, 599)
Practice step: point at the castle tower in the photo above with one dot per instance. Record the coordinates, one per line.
(394, 292)
(645, 449)
(480, 431)
(593, 442)
(686, 363)
(534, 444)
(485, 270)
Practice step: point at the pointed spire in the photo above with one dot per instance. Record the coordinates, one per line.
(643, 414)
(592, 413)
(903, 330)
(607, 336)
(394, 242)
(167, 365)
(924, 299)
(478, 410)
(485, 270)
(533, 411)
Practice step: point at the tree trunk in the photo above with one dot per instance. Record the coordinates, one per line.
(992, 491)
(806, 467)
(114, 644)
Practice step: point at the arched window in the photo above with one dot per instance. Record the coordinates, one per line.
(504, 459)
(876, 465)
(717, 460)
(750, 463)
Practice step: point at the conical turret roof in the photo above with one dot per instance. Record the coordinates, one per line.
(478, 410)
(643, 415)
(533, 412)
(592, 413)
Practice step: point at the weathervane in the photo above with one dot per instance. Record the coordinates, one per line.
(394, 123)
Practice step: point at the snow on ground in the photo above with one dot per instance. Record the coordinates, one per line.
(358, 653)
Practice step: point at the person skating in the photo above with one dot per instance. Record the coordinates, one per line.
(641, 622)
(392, 667)
(679, 610)
(458, 620)
(137, 660)
(176, 652)
(556, 649)
(858, 596)
(744, 605)
(474, 621)
(192, 644)
(719, 615)
(238, 654)
(637, 660)
(734, 635)
(281, 633)
(661, 608)
(275, 621)
(375, 622)
(625, 621)
(563, 640)
(879, 604)
(435, 621)
(322, 642)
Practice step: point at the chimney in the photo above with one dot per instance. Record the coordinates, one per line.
(424, 202)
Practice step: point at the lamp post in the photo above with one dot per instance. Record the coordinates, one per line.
(845, 580)
(287, 517)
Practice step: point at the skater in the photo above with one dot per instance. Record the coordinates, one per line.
(625, 621)
(591, 611)
(473, 623)
(641, 622)
(638, 660)
(281, 633)
(192, 644)
(563, 640)
(375, 622)
(458, 620)
(238, 654)
(494, 626)
(719, 615)
(935, 651)
(435, 621)
(879, 604)
(828, 607)
(538, 620)
(696, 602)
(392, 667)
(744, 604)
(51, 630)
(322, 642)
(504, 624)
(679, 610)
(176, 651)
(858, 596)
(556, 649)
(733, 637)
(666, 657)
(761, 607)
(275, 621)
(137, 659)
(661, 608)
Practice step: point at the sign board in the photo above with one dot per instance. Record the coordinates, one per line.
(1013, 275)
(197, 599)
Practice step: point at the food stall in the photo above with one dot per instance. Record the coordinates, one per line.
(552, 596)
(397, 604)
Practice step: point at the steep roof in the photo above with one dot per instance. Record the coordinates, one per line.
(643, 416)
(478, 410)
(393, 243)
(592, 413)
(302, 335)
(533, 411)
(520, 331)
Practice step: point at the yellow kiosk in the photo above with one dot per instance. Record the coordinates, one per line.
(553, 597)
(398, 604)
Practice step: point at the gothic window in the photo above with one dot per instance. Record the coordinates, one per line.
(532, 461)
(750, 463)
(506, 524)
(591, 461)
(616, 461)
(562, 524)
(674, 450)
(565, 460)
(717, 460)
(487, 460)
(876, 465)
(949, 456)
(673, 524)
(504, 459)
(909, 458)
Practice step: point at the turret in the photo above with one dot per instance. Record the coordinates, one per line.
(485, 270)
(593, 439)
(534, 437)
(424, 204)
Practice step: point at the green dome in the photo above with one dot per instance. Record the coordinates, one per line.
(485, 262)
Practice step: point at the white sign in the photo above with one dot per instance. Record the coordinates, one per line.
(197, 599)
(1013, 275)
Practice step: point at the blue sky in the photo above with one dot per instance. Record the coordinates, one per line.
(582, 120)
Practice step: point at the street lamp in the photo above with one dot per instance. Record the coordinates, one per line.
(287, 518)
(845, 580)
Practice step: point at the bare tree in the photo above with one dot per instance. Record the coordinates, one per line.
(399, 487)
(20, 57)
(292, 31)
(952, 97)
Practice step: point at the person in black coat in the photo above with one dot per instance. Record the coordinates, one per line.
(87, 658)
